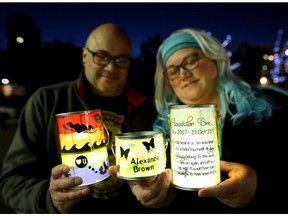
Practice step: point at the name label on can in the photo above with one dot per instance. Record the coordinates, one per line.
(194, 138)
(140, 155)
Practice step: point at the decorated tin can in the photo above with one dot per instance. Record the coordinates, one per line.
(83, 138)
(140, 155)
(195, 144)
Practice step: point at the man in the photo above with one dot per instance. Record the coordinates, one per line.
(32, 178)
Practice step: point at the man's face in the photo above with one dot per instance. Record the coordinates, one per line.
(107, 80)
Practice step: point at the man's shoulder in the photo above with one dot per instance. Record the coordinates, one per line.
(57, 87)
(58, 90)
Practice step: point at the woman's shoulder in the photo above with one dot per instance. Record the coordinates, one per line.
(275, 93)
(278, 98)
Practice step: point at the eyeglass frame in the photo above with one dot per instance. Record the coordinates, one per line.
(183, 66)
(103, 54)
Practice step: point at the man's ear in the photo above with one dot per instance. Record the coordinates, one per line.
(84, 54)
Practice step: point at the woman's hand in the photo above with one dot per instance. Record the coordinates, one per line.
(64, 198)
(152, 193)
(236, 191)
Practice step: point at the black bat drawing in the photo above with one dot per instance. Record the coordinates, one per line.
(77, 127)
(149, 144)
(124, 153)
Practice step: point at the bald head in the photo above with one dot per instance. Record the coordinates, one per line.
(110, 37)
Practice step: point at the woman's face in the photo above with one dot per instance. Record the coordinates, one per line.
(197, 85)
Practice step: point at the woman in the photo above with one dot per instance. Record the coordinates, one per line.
(193, 68)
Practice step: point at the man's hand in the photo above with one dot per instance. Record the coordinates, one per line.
(64, 198)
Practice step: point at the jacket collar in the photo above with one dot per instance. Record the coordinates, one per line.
(134, 98)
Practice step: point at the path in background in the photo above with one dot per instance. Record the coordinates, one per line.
(6, 134)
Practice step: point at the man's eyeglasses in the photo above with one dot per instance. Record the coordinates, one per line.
(189, 63)
(103, 58)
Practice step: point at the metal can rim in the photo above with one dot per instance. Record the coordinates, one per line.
(138, 134)
(181, 106)
(77, 112)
